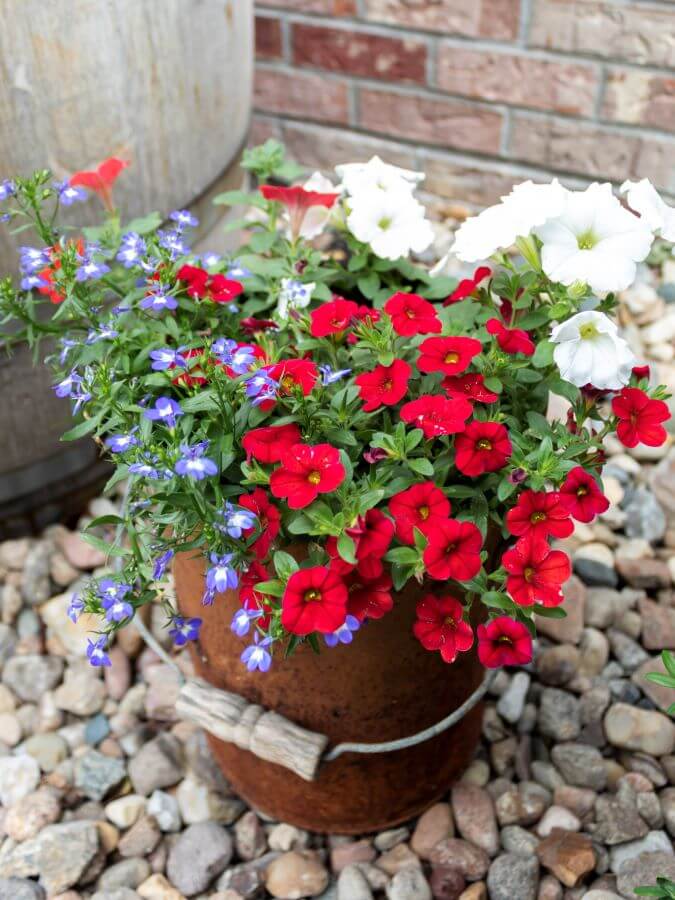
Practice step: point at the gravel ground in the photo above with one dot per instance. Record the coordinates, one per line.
(104, 795)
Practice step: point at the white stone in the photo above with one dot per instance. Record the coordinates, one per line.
(655, 840)
(126, 810)
(164, 807)
(557, 817)
(19, 776)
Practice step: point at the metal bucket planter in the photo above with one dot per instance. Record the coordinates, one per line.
(382, 687)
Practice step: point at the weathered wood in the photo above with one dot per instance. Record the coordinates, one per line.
(166, 83)
(266, 734)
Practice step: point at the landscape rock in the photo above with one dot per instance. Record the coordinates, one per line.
(433, 826)
(295, 875)
(568, 855)
(158, 764)
(409, 884)
(643, 869)
(30, 676)
(580, 765)
(474, 815)
(198, 856)
(97, 774)
(512, 876)
(59, 855)
(639, 729)
(19, 776)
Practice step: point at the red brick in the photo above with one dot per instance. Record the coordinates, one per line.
(267, 38)
(640, 98)
(359, 53)
(496, 19)
(635, 32)
(449, 123)
(518, 79)
(475, 185)
(262, 129)
(312, 97)
(328, 7)
(321, 147)
(591, 150)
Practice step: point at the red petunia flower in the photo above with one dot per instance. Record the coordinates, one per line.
(536, 573)
(451, 355)
(333, 318)
(384, 385)
(268, 524)
(437, 415)
(315, 599)
(482, 447)
(581, 496)
(511, 340)
(372, 534)
(368, 598)
(251, 598)
(470, 386)
(101, 180)
(411, 314)
(440, 626)
(640, 372)
(504, 642)
(297, 201)
(539, 514)
(251, 325)
(305, 472)
(201, 285)
(421, 506)
(292, 373)
(268, 444)
(640, 418)
(453, 550)
(468, 286)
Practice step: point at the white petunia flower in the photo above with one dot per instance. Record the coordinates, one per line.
(589, 350)
(391, 222)
(644, 199)
(293, 295)
(594, 241)
(497, 227)
(358, 177)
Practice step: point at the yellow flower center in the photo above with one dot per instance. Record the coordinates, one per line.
(314, 477)
(311, 595)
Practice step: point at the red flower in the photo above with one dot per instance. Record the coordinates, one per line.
(511, 340)
(640, 418)
(305, 472)
(539, 514)
(297, 201)
(451, 355)
(315, 599)
(368, 598)
(216, 288)
(250, 597)
(333, 317)
(292, 373)
(421, 506)
(453, 550)
(437, 415)
(469, 386)
(640, 372)
(504, 642)
(251, 325)
(372, 536)
(482, 447)
(268, 444)
(581, 496)
(384, 385)
(468, 286)
(48, 289)
(536, 573)
(269, 519)
(411, 314)
(440, 626)
(101, 180)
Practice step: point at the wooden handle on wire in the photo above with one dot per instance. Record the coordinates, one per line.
(264, 733)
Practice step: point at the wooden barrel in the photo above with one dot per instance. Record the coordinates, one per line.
(164, 83)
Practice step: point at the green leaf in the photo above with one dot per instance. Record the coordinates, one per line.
(369, 284)
(85, 427)
(496, 600)
(233, 198)
(505, 489)
(262, 241)
(543, 355)
(274, 588)
(563, 389)
(146, 224)
(551, 612)
(347, 548)
(493, 384)
(403, 556)
(284, 565)
(664, 680)
(300, 524)
(668, 659)
(421, 466)
(104, 546)
(440, 288)
(105, 520)
(558, 310)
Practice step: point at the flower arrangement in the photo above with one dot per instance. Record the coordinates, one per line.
(386, 420)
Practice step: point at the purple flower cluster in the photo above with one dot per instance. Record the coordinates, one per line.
(256, 655)
(172, 240)
(241, 621)
(162, 564)
(120, 443)
(167, 357)
(229, 353)
(236, 520)
(158, 299)
(7, 189)
(132, 249)
(112, 594)
(260, 386)
(185, 630)
(165, 411)
(96, 652)
(193, 463)
(183, 218)
(344, 634)
(68, 194)
(74, 387)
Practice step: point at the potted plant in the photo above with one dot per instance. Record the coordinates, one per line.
(345, 457)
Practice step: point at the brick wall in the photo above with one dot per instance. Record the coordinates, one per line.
(478, 93)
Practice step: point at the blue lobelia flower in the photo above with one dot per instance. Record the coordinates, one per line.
(96, 652)
(261, 387)
(229, 353)
(173, 242)
(75, 608)
(236, 520)
(167, 357)
(7, 189)
(166, 410)
(185, 630)
(120, 443)
(132, 249)
(67, 193)
(112, 594)
(184, 218)
(32, 259)
(330, 376)
(194, 464)
(220, 576)
(256, 655)
(158, 299)
(162, 564)
(90, 270)
(344, 634)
